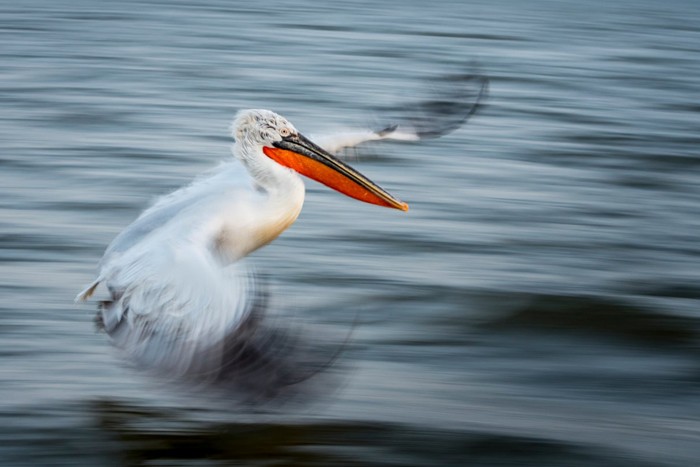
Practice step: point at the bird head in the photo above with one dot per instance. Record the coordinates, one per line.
(283, 144)
(261, 127)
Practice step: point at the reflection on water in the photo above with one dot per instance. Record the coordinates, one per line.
(120, 434)
(537, 306)
(136, 437)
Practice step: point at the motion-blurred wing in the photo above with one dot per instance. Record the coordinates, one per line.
(172, 308)
(196, 322)
(456, 99)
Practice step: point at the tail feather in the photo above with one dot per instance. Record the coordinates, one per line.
(87, 293)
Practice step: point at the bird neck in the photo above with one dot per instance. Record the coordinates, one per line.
(266, 173)
(283, 191)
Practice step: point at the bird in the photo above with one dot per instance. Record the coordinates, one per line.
(179, 296)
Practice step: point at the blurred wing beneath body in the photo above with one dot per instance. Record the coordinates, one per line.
(167, 317)
(210, 326)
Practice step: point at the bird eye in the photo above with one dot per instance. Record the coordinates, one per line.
(284, 132)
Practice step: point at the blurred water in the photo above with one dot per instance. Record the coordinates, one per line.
(537, 306)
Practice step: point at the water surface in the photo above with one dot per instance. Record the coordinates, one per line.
(537, 306)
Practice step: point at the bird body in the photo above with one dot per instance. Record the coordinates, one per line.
(175, 276)
(179, 291)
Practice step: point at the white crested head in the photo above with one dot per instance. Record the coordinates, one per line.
(275, 154)
(260, 127)
(254, 129)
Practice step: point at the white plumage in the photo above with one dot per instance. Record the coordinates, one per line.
(181, 297)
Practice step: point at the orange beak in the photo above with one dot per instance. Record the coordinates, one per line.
(300, 154)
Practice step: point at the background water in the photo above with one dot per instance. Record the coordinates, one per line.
(537, 306)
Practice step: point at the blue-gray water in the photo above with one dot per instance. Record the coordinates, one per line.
(537, 306)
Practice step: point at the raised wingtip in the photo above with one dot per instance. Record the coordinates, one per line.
(458, 97)
(451, 101)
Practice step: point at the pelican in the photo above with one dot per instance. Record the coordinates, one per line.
(179, 296)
